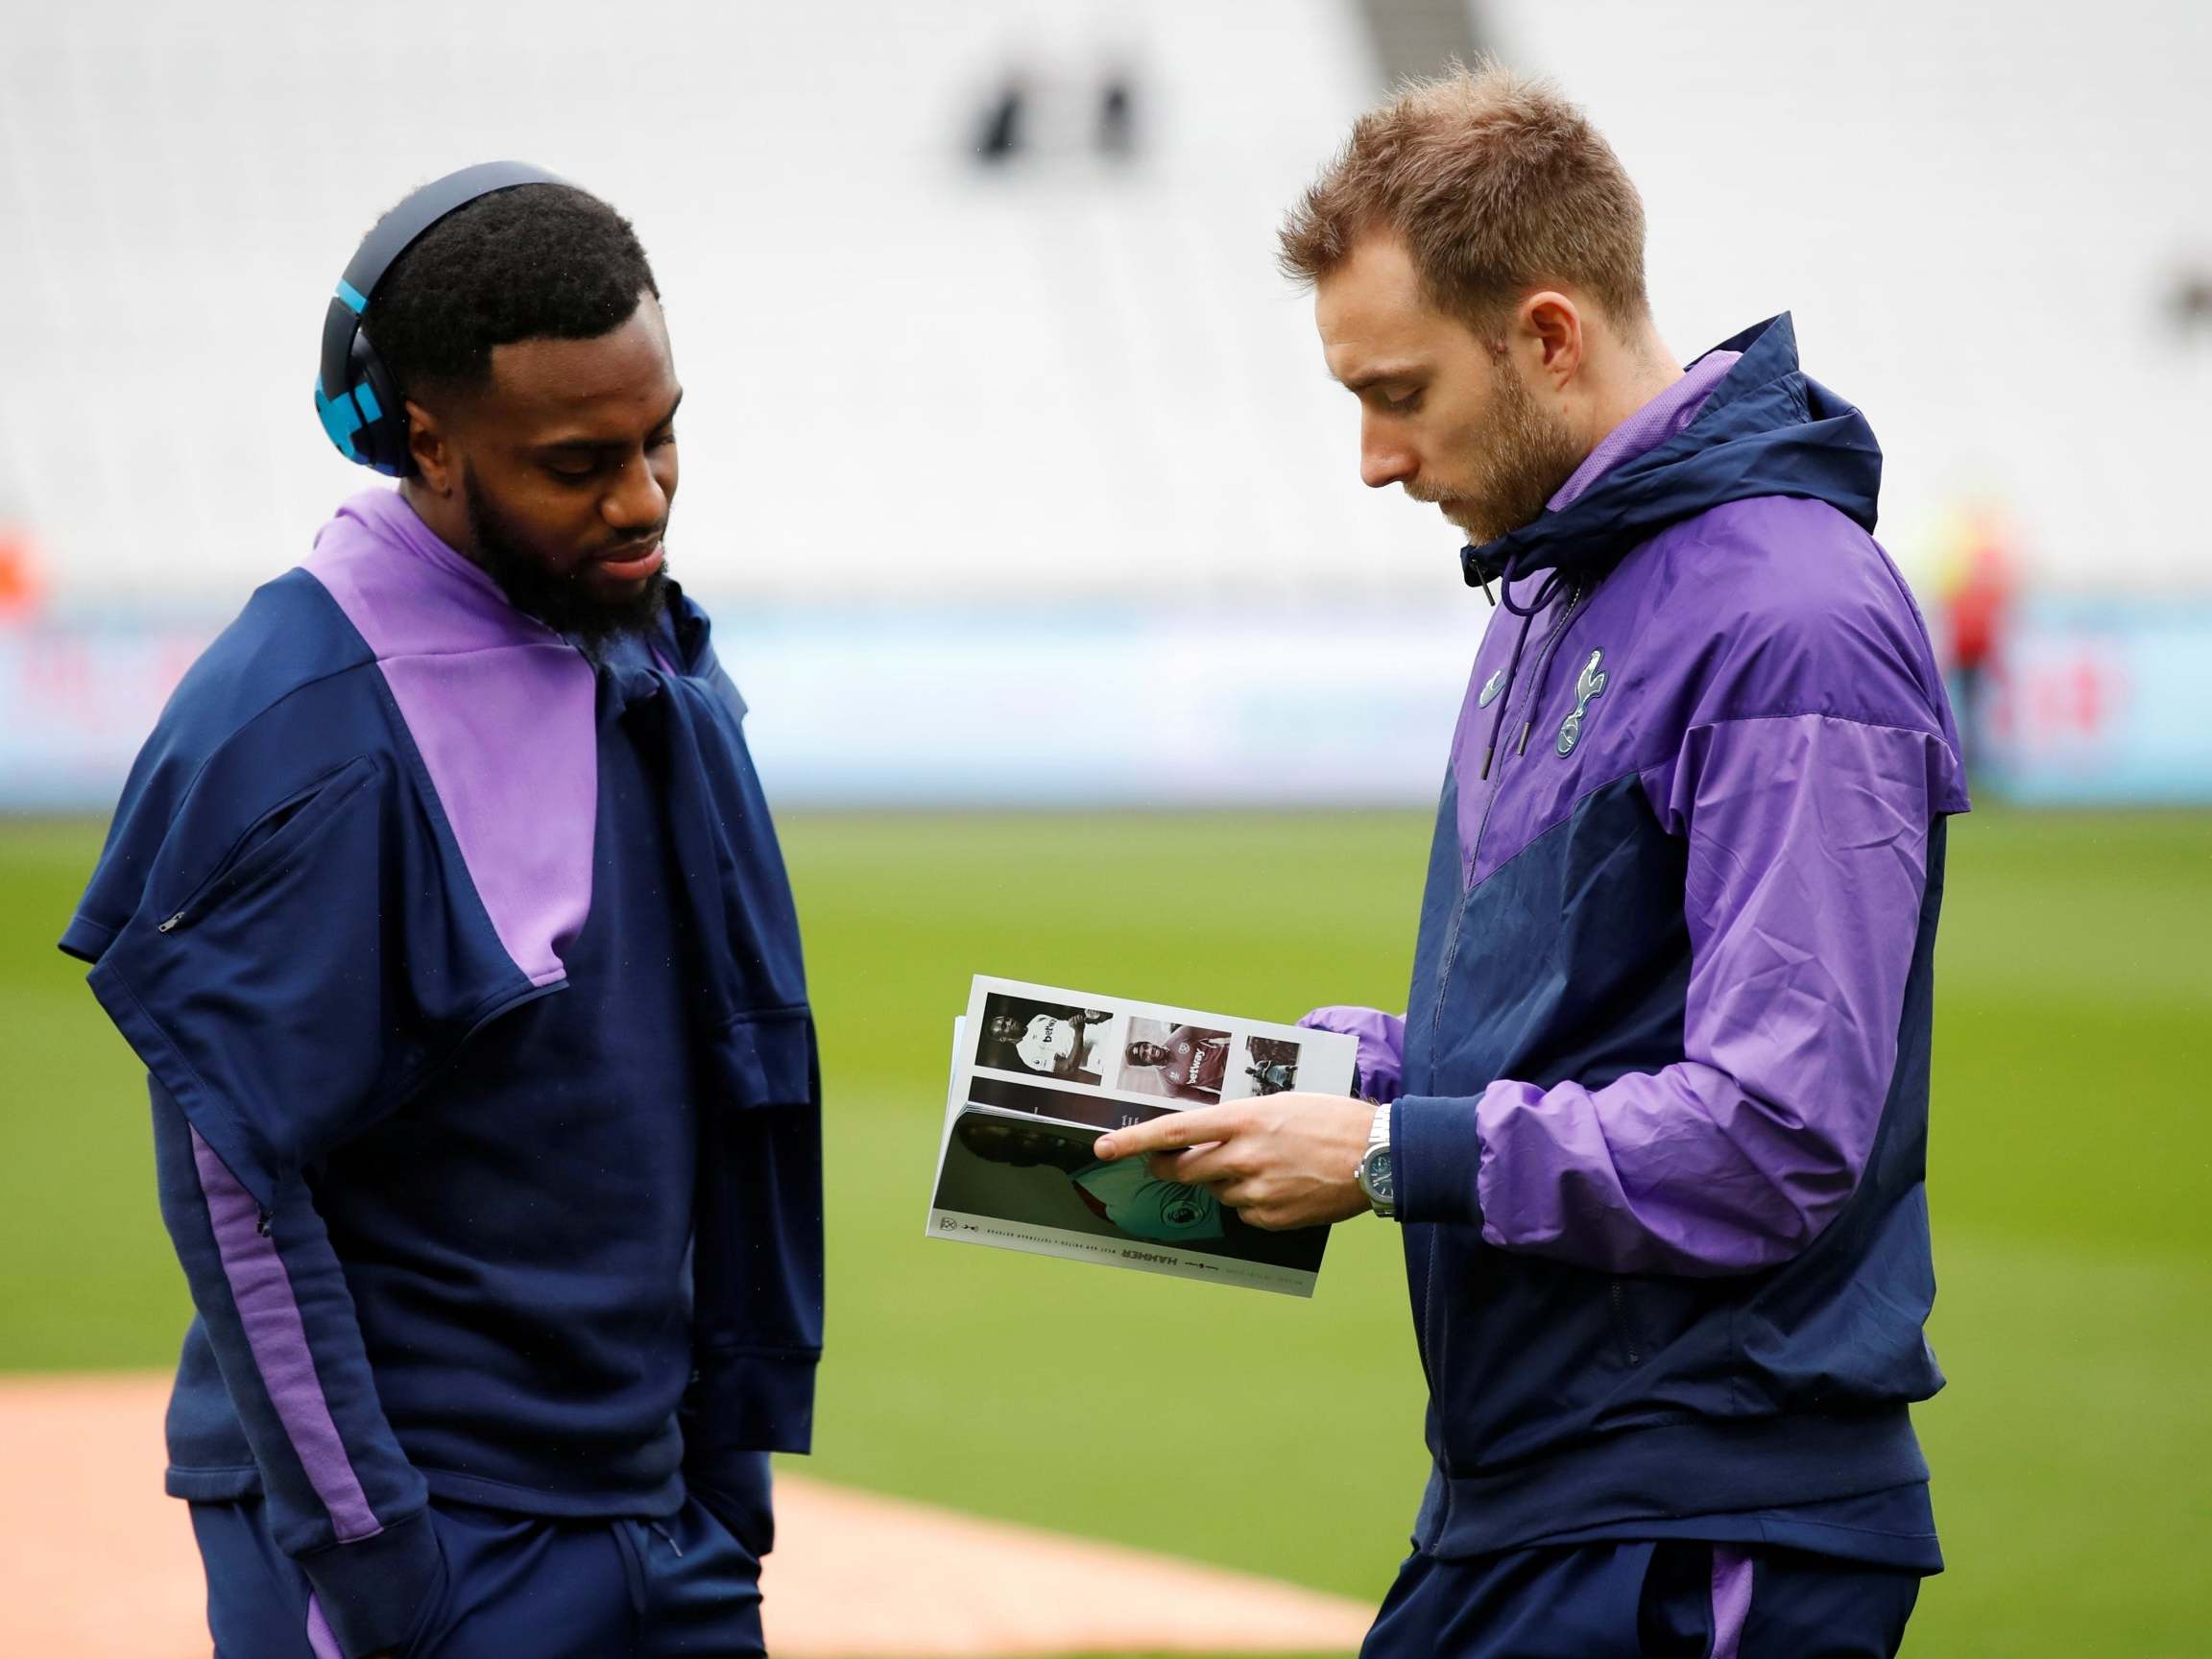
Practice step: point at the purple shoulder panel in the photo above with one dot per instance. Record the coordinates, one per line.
(269, 1313)
(1758, 609)
(500, 707)
(1800, 611)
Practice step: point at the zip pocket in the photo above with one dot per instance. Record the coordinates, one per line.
(273, 842)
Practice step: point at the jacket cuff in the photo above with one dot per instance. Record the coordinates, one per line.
(1435, 1157)
(373, 1591)
(87, 940)
(750, 1401)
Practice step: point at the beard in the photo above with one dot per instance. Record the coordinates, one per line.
(557, 599)
(1529, 454)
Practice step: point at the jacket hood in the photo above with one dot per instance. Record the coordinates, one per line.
(1766, 430)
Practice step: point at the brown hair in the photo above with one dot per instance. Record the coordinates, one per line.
(1497, 184)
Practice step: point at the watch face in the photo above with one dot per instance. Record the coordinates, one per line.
(1375, 1174)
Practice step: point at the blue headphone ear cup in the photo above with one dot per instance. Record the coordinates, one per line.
(355, 399)
(382, 439)
(366, 420)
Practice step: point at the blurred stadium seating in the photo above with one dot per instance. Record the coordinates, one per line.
(959, 408)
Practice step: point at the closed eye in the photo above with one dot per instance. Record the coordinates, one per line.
(579, 466)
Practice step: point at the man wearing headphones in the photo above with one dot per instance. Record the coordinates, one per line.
(444, 911)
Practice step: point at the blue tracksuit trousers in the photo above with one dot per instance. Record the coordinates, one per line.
(1678, 1599)
(514, 1586)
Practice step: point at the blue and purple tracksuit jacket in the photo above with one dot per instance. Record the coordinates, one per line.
(486, 1108)
(1662, 1082)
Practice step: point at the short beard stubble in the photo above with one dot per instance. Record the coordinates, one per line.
(1530, 455)
(561, 602)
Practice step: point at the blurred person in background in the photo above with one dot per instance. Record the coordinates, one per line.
(445, 914)
(1654, 1122)
(22, 581)
(1979, 585)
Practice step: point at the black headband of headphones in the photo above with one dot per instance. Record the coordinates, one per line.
(354, 395)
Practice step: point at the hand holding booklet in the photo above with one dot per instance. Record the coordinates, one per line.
(1039, 1073)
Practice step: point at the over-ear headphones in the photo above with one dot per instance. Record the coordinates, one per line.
(359, 405)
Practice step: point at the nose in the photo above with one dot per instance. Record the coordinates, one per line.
(1384, 458)
(639, 499)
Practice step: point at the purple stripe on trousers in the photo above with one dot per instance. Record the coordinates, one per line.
(320, 1640)
(1731, 1599)
(271, 1314)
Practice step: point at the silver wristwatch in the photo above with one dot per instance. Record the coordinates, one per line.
(1376, 1177)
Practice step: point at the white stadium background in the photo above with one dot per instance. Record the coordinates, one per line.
(976, 456)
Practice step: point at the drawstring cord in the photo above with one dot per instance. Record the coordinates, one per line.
(1547, 591)
(1505, 696)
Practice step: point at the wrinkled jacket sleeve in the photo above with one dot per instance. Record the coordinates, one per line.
(756, 1272)
(264, 986)
(342, 1498)
(1380, 1069)
(757, 1261)
(1806, 866)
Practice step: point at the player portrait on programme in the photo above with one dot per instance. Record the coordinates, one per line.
(1124, 1200)
(447, 915)
(1157, 1212)
(1267, 1065)
(1046, 1038)
(1178, 1061)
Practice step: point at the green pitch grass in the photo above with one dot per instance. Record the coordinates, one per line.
(2073, 1146)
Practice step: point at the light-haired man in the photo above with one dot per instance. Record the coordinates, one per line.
(1654, 1121)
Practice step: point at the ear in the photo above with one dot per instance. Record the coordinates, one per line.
(1548, 327)
(430, 442)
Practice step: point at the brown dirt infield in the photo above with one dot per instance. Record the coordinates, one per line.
(95, 1563)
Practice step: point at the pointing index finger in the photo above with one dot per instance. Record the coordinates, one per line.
(1197, 1127)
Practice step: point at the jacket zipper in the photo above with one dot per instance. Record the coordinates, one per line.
(1527, 720)
(1621, 1318)
(1533, 695)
